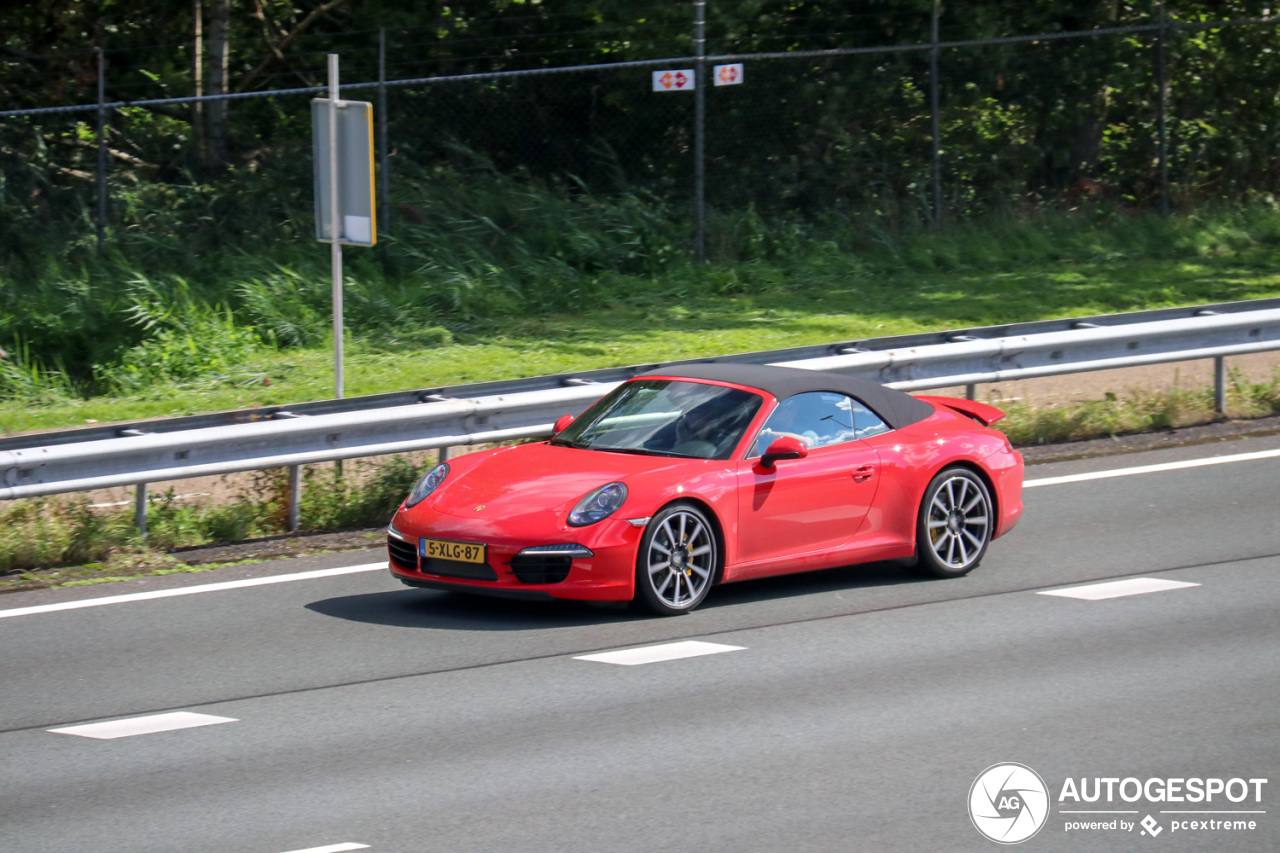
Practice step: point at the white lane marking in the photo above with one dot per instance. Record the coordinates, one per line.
(190, 590)
(148, 725)
(1150, 469)
(334, 848)
(1117, 589)
(656, 654)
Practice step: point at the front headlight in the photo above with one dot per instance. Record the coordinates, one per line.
(598, 505)
(428, 484)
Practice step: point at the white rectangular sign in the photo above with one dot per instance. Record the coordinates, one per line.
(727, 75)
(358, 222)
(677, 80)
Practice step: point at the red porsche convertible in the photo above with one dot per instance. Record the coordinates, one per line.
(682, 479)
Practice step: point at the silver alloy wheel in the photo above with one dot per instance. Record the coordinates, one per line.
(959, 520)
(680, 559)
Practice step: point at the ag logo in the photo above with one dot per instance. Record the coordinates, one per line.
(1008, 803)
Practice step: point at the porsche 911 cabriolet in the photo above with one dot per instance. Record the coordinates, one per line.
(685, 478)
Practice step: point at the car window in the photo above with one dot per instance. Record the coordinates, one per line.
(665, 417)
(819, 419)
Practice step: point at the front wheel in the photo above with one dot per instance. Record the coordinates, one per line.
(955, 524)
(678, 560)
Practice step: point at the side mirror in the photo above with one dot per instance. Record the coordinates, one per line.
(561, 422)
(783, 447)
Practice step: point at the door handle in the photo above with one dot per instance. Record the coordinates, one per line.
(863, 473)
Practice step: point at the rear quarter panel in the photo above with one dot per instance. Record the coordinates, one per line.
(911, 456)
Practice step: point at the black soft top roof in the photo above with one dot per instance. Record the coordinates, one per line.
(894, 407)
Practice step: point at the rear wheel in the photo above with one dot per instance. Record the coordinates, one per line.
(955, 524)
(678, 560)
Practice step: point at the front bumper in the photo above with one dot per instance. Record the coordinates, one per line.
(594, 563)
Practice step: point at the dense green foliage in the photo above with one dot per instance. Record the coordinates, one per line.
(504, 309)
(532, 196)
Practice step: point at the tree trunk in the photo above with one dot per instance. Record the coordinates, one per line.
(218, 55)
(197, 73)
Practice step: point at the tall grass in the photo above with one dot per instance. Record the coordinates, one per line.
(199, 280)
(1116, 415)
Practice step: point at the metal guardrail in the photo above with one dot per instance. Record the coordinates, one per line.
(146, 452)
(611, 374)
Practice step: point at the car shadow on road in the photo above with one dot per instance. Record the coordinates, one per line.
(440, 610)
(456, 611)
(818, 582)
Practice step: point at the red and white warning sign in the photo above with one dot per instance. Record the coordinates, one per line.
(680, 80)
(728, 75)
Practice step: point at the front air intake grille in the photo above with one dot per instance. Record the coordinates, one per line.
(402, 553)
(539, 568)
(456, 569)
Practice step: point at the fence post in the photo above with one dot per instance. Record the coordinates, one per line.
(384, 213)
(935, 118)
(101, 178)
(1161, 98)
(700, 82)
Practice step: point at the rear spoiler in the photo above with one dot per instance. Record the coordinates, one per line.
(980, 412)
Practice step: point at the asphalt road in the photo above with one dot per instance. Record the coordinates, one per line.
(852, 710)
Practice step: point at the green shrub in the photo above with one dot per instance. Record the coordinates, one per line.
(361, 495)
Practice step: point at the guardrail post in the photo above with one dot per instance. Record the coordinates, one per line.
(971, 392)
(140, 508)
(295, 496)
(1220, 385)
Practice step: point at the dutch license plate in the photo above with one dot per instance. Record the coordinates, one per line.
(443, 549)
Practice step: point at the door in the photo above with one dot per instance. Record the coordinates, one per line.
(813, 504)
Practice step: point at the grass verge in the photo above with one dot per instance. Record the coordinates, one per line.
(265, 343)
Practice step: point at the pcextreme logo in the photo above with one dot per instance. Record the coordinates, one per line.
(1009, 803)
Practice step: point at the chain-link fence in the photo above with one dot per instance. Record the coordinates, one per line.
(1155, 112)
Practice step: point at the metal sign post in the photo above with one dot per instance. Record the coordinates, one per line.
(335, 242)
(342, 141)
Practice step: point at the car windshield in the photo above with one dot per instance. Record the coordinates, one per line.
(665, 417)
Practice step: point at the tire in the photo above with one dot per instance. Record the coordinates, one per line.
(678, 560)
(954, 525)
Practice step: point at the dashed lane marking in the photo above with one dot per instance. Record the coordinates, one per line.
(149, 725)
(334, 848)
(1117, 589)
(657, 654)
